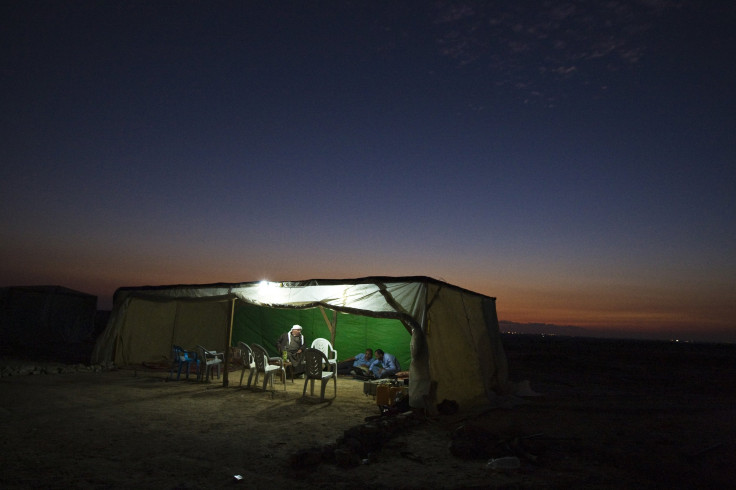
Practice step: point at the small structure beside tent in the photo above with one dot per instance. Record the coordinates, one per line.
(34, 315)
(447, 337)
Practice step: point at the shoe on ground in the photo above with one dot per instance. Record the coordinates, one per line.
(352, 371)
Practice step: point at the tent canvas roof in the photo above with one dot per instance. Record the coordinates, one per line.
(366, 295)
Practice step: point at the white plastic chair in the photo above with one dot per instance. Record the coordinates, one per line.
(325, 347)
(262, 366)
(249, 362)
(208, 360)
(316, 360)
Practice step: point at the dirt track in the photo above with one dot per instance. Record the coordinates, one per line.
(611, 414)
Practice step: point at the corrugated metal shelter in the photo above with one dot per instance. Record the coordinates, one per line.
(446, 336)
(34, 315)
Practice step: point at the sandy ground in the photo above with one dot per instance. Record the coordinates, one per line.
(610, 414)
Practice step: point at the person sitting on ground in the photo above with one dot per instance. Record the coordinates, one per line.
(356, 365)
(293, 343)
(384, 365)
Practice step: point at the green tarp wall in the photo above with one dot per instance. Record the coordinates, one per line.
(353, 333)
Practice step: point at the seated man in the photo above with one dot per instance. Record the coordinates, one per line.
(358, 364)
(293, 343)
(384, 365)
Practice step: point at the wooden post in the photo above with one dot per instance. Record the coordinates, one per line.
(228, 339)
(331, 325)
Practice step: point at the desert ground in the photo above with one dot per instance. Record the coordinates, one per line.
(606, 414)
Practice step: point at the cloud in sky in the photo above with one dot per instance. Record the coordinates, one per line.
(527, 46)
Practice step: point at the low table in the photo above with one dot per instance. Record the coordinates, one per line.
(287, 365)
(370, 387)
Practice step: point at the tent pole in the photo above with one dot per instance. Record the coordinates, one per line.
(228, 340)
(334, 326)
(331, 325)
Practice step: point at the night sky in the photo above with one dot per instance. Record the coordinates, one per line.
(576, 160)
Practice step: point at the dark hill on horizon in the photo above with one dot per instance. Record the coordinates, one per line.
(508, 327)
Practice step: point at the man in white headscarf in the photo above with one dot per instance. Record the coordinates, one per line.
(293, 343)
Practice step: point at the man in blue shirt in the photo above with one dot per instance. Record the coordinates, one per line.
(356, 364)
(384, 365)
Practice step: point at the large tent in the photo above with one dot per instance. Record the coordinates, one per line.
(447, 337)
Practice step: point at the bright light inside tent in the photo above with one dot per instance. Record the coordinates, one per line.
(268, 291)
(268, 285)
